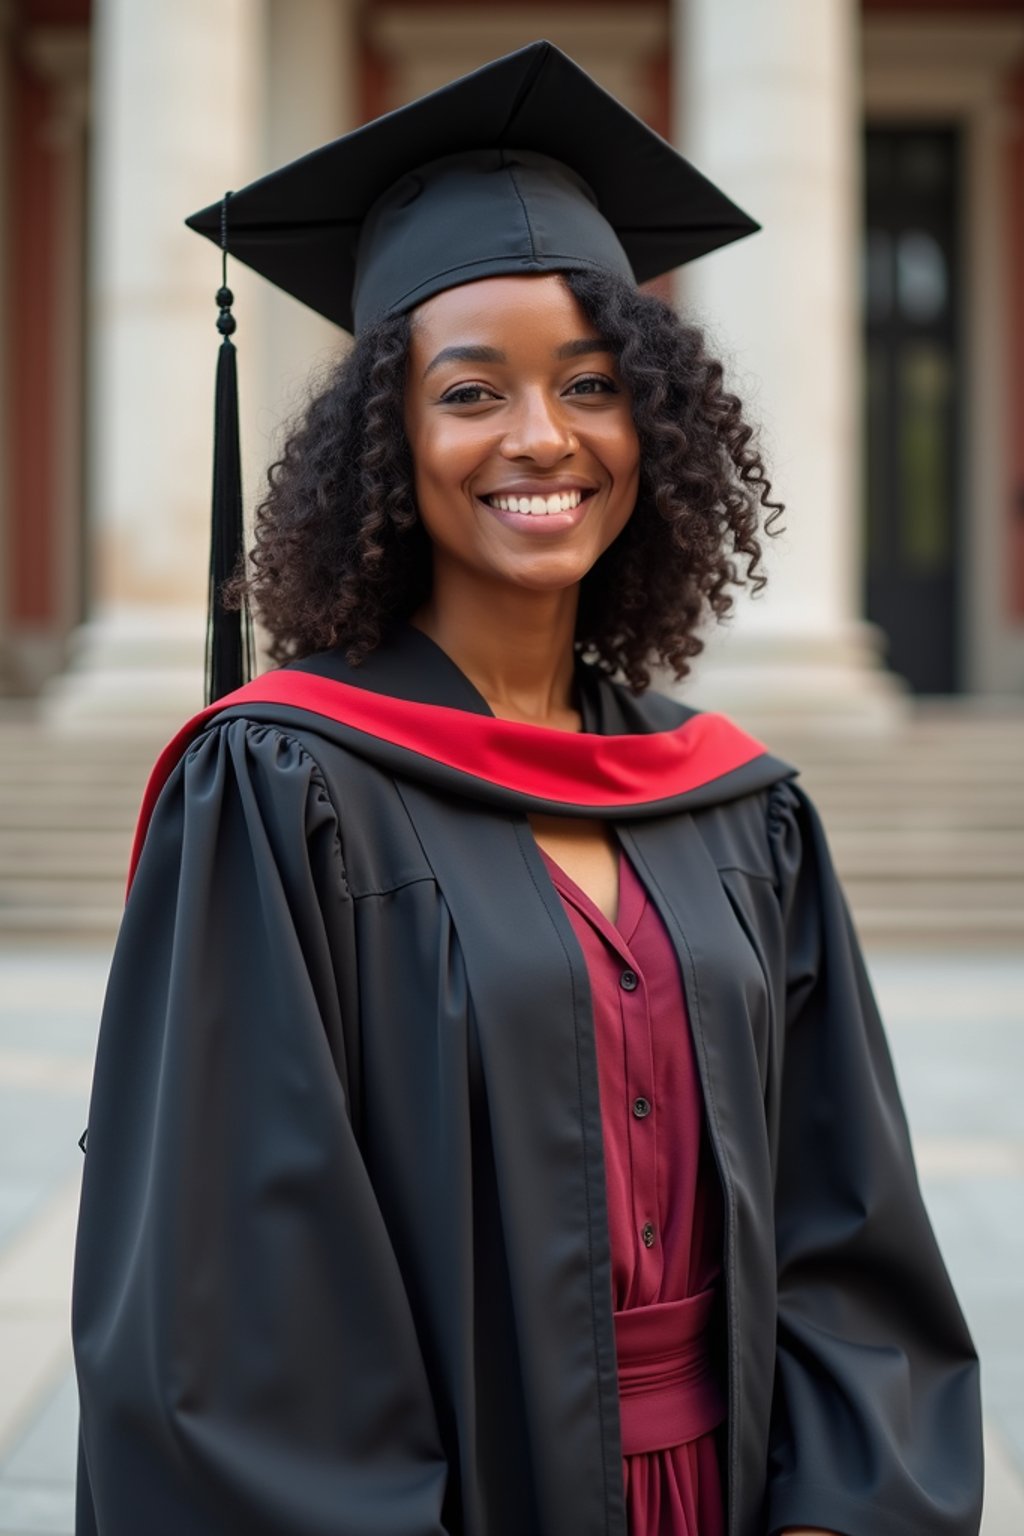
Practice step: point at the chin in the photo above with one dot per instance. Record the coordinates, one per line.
(547, 579)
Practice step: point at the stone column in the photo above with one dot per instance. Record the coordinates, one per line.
(191, 99)
(312, 97)
(766, 104)
(177, 105)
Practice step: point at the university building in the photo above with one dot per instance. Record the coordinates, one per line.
(874, 327)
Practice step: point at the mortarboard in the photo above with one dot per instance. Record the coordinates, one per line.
(526, 165)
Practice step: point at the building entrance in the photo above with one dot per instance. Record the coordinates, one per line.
(914, 390)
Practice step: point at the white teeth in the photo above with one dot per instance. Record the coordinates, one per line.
(538, 506)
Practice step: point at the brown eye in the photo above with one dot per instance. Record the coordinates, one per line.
(593, 384)
(466, 394)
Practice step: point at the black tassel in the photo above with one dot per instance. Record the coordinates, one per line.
(229, 641)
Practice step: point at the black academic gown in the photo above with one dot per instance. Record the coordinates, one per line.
(342, 1265)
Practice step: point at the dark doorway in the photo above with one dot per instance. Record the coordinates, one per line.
(913, 393)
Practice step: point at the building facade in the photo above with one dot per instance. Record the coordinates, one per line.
(874, 327)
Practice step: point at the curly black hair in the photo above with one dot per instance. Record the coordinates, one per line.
(340, 554)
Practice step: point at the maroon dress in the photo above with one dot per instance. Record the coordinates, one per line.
(664, 1214)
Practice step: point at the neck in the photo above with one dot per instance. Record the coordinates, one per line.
(515, 647)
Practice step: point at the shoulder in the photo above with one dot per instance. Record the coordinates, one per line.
(734, 779)
(794, 821)
(252, 750)
(233, 768)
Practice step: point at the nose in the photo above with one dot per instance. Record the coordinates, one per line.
(539, 431)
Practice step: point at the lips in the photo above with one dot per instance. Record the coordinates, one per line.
(536, 505)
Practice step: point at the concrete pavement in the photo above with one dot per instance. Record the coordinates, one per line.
(956, 1022)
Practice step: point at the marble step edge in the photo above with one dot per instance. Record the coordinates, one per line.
(887, 797)
(897, 893)
(954, 865)
(877, 926)
(923, 844)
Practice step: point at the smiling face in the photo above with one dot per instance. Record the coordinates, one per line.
(526, 459)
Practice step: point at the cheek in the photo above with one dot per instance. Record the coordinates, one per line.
(623, 462)
(621, 451)
(447, 453)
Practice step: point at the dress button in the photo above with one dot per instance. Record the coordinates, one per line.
(647, 1233)
(641, 1107)
(629, 981)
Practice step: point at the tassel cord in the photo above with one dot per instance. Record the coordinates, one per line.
(229, 637)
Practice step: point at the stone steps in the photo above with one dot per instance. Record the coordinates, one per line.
(926, 829)
(909, 854)
(918, 854)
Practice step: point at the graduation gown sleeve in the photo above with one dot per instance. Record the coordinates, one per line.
(246, 1354)
(876, 1424)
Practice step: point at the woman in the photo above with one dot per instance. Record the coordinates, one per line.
(492, 1128)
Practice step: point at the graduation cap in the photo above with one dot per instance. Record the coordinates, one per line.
(526, 165)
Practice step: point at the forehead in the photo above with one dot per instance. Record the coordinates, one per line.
(499, 310)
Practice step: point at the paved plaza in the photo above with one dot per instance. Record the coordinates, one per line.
(957, 1027)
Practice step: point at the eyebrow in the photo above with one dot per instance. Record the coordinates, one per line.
(465, 355)
(583, 347)
(478, 354)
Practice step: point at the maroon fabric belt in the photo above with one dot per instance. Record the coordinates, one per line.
(668, 1389)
